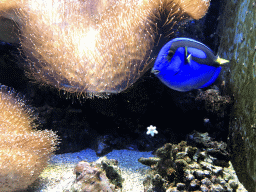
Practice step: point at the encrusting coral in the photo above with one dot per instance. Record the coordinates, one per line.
(24, 152)
(100, 46)
(202, 166)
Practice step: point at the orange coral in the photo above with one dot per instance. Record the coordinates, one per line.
(195, 8)
(6, 5)
(24, 152)
(95, 46)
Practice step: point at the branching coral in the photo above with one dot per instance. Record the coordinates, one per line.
(24, 152)
(96, 46)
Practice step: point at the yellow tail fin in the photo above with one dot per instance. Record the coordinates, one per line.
(221, 61)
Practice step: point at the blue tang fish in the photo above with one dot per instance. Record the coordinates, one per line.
(184, 64)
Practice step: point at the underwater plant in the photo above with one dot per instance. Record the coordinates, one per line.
(24, 152)
(92, 46)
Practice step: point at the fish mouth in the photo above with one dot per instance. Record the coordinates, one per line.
(156, 72)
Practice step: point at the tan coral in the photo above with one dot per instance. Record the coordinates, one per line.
(24, 152)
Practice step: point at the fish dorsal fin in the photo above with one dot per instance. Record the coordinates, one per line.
(186, 51)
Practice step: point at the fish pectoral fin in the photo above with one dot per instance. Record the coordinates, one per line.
(221, 61)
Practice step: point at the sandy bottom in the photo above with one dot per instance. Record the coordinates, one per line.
(59, 175)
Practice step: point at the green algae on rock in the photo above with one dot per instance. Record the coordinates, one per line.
(238, 44)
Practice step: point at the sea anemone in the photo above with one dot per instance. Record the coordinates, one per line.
(24, 152)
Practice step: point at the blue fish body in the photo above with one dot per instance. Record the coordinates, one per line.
(184, 64)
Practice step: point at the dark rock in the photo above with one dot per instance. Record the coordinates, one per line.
(233, 184)
(201, 156)
(217, 170)
(204, 188)
(207, 182)
(158, 182)
(194, 185)
(180, 163)
(199, 174)
(207, 173)
(164, 152)
(172, 189)
(227, 188)
(191, 151)
(181, 155)
(102, 145)
(239, 76)
(216, 188)
(190, 177)
(215, 179)
(181, 186)
(149, 161)
(222, 182)
(112, 172)
(217, 150)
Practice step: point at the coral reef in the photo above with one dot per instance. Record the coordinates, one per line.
(180, 167)
(95, 46)
(101, 175)
(208, 108)
(214, 102)
(24, 152)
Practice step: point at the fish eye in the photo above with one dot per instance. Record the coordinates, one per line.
(170, 55)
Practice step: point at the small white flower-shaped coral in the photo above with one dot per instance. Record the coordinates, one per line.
(152, 130)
